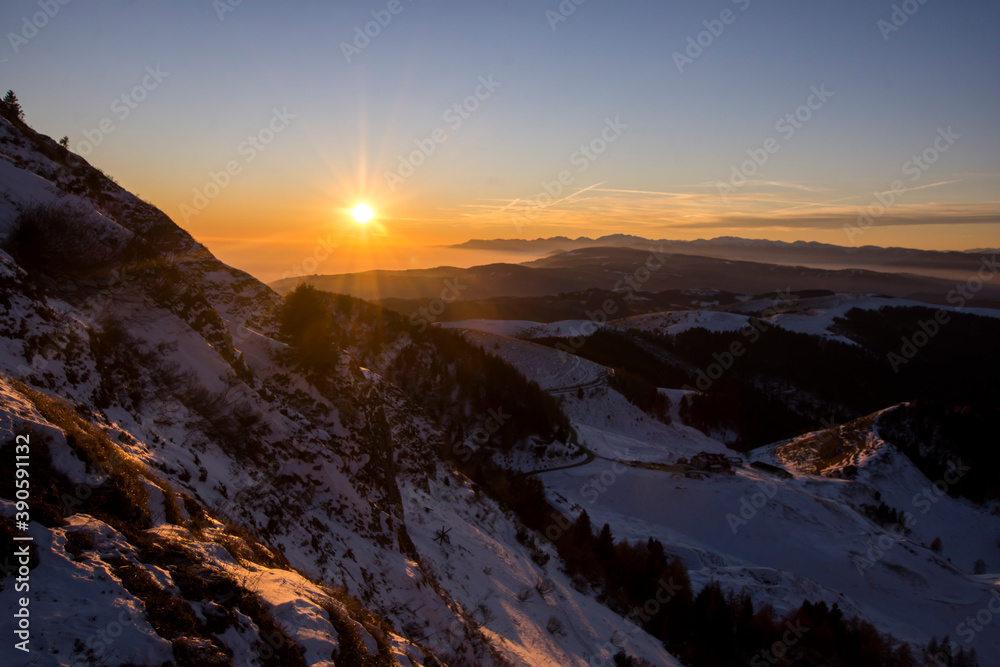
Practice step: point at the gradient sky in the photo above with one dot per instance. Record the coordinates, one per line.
(686, 130)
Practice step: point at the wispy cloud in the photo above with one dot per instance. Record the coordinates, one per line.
(768, 205)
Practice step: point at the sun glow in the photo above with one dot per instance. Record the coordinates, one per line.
(363, 214)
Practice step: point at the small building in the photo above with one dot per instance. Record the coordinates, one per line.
(711, 463)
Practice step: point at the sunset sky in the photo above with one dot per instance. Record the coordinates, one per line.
(665, 122)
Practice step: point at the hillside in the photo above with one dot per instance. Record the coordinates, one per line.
(952, 265)
(254, 511)
(625, 271)
(219, 475)
(822, 534)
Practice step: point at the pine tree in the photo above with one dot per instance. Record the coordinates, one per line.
(11, 107)
(605, 545)
(583, 532)
(904, 655)
(306, 322)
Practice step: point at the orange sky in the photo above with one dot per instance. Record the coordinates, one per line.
(273, 235)
(455, 123)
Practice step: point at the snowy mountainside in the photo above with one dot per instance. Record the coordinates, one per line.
(604, 421)
(245, 487)
(808, 537)
(314, 503)
(813, 315)
(824, 533)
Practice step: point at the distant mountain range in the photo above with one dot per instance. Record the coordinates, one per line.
(607, 268)
(953, 265)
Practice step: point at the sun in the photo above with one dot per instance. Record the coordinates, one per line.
(363, 214)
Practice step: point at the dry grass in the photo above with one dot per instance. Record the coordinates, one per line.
(120, 500)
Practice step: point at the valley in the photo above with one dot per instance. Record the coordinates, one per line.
(657, 474)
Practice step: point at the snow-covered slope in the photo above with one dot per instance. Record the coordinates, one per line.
(198, 498)
(678, 322)
(815, 315)
(809, 538)
(605, 422)
(315, 504)
(781, 540)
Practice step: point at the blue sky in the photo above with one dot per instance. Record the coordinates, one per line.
(686, 130)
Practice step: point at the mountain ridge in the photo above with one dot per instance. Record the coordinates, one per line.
(178, 360)
(935, 263)
(228, 477)
(606, 268)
